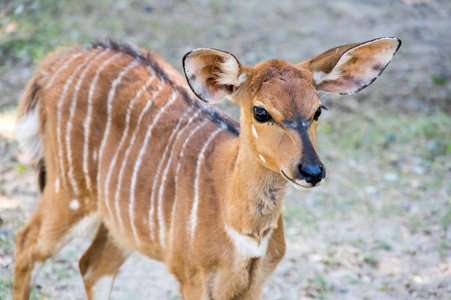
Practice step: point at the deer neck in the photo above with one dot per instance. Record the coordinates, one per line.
(253, 193)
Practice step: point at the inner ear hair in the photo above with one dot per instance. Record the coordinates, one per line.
(350, 68)
(212, 74)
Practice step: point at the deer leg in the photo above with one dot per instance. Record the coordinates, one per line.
(100, 263)
(27, 265)
(49, 229)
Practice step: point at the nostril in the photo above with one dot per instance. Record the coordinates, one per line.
(310, 170)
(311, 173)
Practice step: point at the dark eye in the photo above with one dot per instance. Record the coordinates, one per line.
(317, 114)
(261, 115)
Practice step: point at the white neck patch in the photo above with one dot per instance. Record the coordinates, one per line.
(247, 246)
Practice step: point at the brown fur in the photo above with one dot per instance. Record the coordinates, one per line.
(234, 187)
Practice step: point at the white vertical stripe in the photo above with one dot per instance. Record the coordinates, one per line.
(72, 113)
(127, 152)
(52, 67)
(154, 187)
(110, 99)
(87, 121)
(66, 64)
(125, 134)
(200, 159)
(58, 117)
(138, 162)
(179, 165)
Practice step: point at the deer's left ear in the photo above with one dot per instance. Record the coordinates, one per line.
(350, 68)
(212, 74)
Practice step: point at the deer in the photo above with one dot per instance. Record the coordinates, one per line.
(122, 144)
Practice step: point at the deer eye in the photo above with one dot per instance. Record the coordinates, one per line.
(318, 112)
(261, 115)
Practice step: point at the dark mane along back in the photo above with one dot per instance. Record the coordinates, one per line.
(146, 57)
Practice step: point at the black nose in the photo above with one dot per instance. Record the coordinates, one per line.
(312, 173)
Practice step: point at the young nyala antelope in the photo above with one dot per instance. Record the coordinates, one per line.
(123, 143)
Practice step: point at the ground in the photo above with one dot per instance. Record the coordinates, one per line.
(380, 226)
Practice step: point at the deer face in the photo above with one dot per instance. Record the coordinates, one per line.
(280, 107)
(279, 121)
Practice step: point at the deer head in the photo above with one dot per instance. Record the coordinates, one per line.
(280, 108)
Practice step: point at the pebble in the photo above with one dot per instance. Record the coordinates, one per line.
(391, 177)
(370, 190)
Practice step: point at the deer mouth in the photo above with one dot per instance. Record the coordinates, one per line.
(300, 184)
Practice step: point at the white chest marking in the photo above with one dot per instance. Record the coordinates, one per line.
(247, 246)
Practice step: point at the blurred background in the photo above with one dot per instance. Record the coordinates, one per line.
(380, 226)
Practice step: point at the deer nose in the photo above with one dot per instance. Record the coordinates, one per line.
(312, 173)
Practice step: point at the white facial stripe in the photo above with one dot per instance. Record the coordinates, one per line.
(110, 99)
(161, 223)
(87, 122)
(102, 288)
(57, 185)
(138, 162)
(121, 143)
(127, 152)
(71, 116)
(66, 64)
(262, 158)
(200, 159)
(254, 131)
(246, 245)
(58, 121)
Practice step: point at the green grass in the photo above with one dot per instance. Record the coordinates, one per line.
(374, 132)
(41, 26)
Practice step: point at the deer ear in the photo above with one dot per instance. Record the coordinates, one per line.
(212, 74)
(350, 68)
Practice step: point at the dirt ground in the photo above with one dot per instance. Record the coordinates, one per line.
(380, 226)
